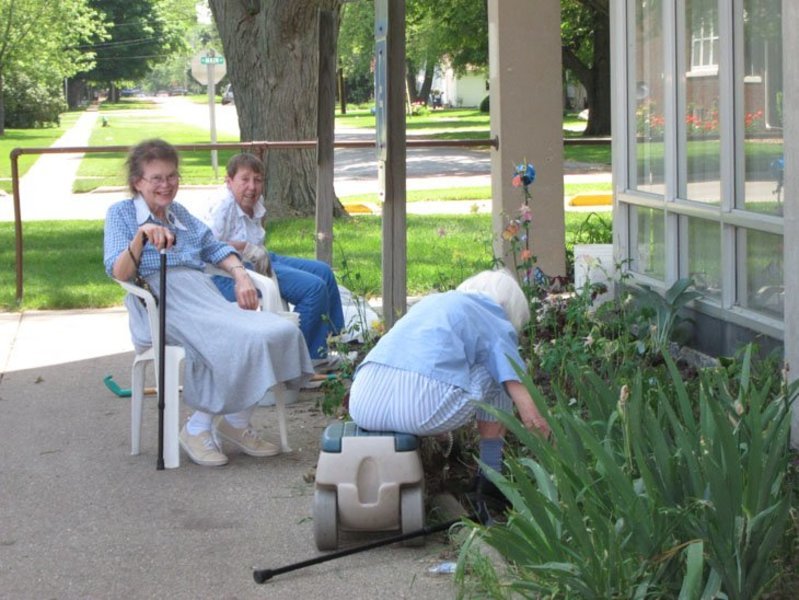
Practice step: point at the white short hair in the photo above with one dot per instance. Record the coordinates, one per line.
(503, 289)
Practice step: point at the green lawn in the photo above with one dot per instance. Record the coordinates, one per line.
(63, 265)
(473, 193)
(126, 128)
(29, 138)
(465, 123)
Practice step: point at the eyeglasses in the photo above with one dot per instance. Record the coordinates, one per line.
(158, 180)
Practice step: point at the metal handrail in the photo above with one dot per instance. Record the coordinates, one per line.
(256, 147)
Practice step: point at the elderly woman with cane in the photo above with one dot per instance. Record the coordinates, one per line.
(233, 356)
(452, 349)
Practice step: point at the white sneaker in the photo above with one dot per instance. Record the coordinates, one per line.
(247, 439)
(202, 448)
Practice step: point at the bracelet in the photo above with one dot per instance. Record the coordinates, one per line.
(133, 257)
(238, 267)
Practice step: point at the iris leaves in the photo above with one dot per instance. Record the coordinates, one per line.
(648, 491)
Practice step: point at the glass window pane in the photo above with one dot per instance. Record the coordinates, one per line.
(703, 255)
(698, 144)
(762, 106)
(647, 255)
(647, 69)
(764, 272)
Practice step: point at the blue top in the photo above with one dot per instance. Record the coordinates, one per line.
(195, 245)
(444, 335)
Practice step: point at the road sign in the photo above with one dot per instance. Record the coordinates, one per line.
(207, 66)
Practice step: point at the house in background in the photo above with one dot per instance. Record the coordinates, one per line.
(460, 91)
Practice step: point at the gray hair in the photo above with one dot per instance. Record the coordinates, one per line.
(145, 152)
(503, 289)
(245, 160)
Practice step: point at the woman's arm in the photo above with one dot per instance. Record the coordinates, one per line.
(246, 294)
(127, 262)
(528, 413)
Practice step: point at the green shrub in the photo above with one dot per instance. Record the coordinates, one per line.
(30, 104)
(654, 490)
(485, 105)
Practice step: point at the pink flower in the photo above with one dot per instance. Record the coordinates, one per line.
(510, 231)
(517, 181)
(526, 254)
(525, 213)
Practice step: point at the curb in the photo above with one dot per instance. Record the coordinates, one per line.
(598, 199)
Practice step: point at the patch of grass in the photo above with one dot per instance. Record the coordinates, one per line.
(63, 260)
(482, 192)
(127, 129)
(63, 266)
(588, 153)
(450, 120)
(29, 138)
(572, 189)
(128, 104)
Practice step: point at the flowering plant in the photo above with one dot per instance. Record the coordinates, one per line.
(517, 232)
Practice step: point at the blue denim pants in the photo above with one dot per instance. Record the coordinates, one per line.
(311, 287)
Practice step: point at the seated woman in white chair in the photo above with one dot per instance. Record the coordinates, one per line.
(236, 217)
(233, 356)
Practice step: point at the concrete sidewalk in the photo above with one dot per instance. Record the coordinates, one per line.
(81, 518)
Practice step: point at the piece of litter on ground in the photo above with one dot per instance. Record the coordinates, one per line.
(443, 568)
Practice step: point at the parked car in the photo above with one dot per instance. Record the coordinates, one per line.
(178, 91)
(227, 96)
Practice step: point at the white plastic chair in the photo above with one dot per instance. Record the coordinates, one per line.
(174, 355)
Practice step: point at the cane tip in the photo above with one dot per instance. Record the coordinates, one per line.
(261, 575)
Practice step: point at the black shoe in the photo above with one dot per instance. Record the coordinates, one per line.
(487, 503)
(489, 491)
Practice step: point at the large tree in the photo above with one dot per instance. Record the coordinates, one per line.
(585, 33)
(143, 33)
(43, 39)
(272, 53)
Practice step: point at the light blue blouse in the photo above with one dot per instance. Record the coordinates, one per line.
(195, 245)
(444, 335)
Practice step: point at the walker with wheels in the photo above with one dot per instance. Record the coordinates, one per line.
(367, 481)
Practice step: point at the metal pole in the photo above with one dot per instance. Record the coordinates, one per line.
(17, 219)
(212, 113)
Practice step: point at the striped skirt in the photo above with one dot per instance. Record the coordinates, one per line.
(384, 398)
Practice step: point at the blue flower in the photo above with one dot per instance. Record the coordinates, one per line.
(525, 173)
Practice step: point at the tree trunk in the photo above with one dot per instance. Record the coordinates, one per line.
(599, 109)
(595, 79)
(427, 84)
(271, 48)
(2, 107)
(410, 82)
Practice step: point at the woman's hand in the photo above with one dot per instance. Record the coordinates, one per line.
(127, 263)
(246, 294)
(157, 235)
(528, 413)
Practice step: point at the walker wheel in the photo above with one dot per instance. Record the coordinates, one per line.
(412, 513)
(325, 519)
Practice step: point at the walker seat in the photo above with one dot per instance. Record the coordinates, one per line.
(367, 481)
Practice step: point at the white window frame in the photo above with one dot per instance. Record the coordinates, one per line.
(731, 219)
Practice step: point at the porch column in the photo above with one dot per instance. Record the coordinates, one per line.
(790, 48)
(526, 97)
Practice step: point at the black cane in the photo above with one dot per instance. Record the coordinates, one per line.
(264, 575)
(161, 360)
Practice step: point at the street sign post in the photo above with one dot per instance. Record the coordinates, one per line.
(209, 69)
